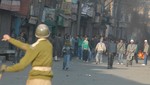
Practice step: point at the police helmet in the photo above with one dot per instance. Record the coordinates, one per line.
(42, 31)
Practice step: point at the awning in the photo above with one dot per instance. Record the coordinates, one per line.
(11, 5)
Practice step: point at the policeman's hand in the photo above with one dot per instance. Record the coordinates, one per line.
(3, 68)
(6, 37)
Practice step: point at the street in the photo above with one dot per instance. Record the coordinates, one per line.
(89, 73)
(83, 28)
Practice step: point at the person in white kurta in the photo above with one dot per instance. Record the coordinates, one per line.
(131, 48)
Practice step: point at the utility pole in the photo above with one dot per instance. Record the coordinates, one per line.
(41, 8)
(118, 16)
(102, 6)
(79, 16)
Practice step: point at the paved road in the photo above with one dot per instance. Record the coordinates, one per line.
(88, 74)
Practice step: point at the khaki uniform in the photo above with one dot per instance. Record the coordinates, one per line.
(39, 55)
(38, 82)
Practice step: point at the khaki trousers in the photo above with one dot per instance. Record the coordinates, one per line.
(38, 82)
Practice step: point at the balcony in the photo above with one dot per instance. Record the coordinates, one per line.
(11, 5)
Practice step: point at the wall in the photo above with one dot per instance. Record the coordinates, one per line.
(24, 7)
(5, 23)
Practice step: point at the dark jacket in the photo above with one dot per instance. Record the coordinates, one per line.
(112, 47)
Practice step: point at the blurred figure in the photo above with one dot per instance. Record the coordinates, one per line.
(85, 48)
(67, 51)
(112, 48)
(19, 52)
(76, 46)
(136, 53)
(121, 48)
(100, 49)
(94, 42)
(145, 51)
(80, 51)
(58, 45)
(131, 49)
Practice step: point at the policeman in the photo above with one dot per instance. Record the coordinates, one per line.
(39, 55)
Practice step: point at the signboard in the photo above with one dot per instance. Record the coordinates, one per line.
(87, 9)
(33, 20)
(48, 13)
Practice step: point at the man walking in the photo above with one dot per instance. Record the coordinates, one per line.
(112, 48)
(121, 51)
(145, 51)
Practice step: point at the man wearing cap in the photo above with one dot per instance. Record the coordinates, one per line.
(131, 48)
(39, 55)
(145, 51)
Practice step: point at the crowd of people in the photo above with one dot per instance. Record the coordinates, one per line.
(86, 49)
(40, 54)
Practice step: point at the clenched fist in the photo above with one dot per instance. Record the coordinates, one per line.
(6, 37)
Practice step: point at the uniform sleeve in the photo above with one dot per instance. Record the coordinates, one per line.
(24, 62)
(19, 44)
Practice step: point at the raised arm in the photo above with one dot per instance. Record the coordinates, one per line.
(19, 44)
(15, 42)
(24, 62)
